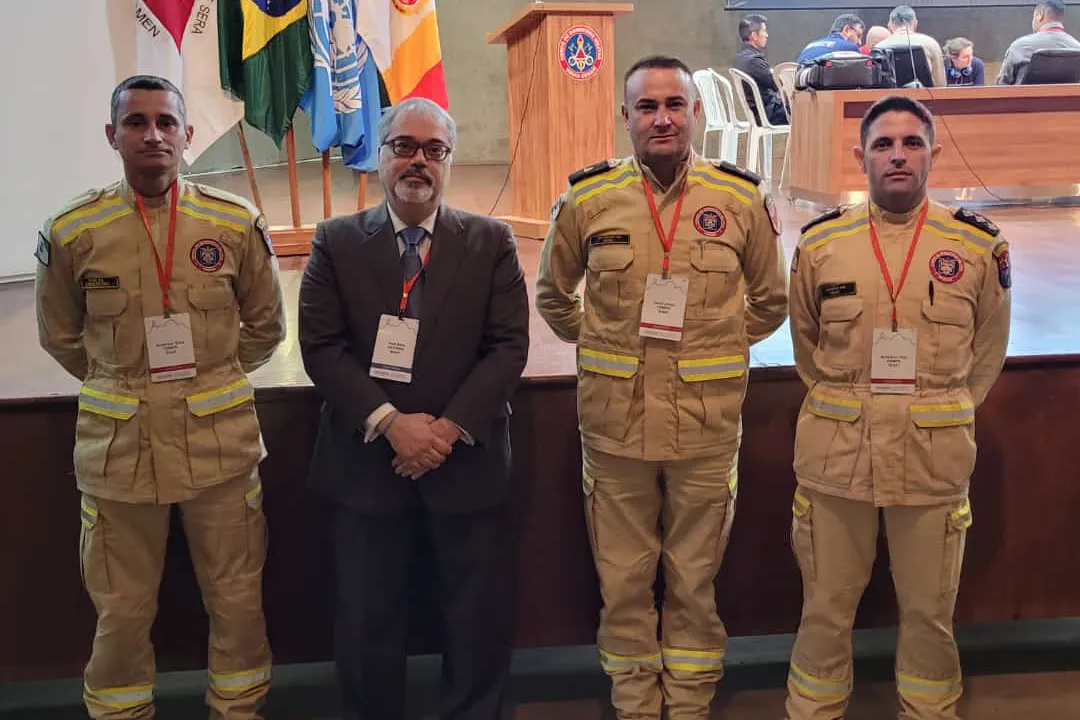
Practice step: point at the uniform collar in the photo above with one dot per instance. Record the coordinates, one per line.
(128, 193)
(680, 173)
(878, 215)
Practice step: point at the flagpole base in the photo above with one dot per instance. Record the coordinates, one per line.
(290, 241)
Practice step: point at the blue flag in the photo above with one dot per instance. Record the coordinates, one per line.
(342, 98)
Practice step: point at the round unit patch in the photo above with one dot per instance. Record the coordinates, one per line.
(710, 222)
(208, 255)
(946, 266)
(580, 52)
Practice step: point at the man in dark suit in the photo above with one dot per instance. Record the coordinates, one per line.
(754, 33)
(414, 328)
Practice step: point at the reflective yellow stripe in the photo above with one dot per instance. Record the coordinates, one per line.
(254, 496)
(117, 407)
(841, 227)
(946, 415)
(713, 182)
(961, 517)
(963, 233)
(817, 688)
(88, 514)
(835, 408)
(913, 686)
(200, 212)
(613, 663)
(733, 476)
(617, 181)
(89, 218)
(713, 368)
(693, 660)
(214, 401)
(800, 504)
(603, 363)
(744, 187)
(240, 681)
(120, 698)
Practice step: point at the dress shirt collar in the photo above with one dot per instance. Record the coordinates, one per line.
(428, 223)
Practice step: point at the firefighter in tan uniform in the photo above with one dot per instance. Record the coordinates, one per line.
(166, 413)
(900, 320)
(663, 343)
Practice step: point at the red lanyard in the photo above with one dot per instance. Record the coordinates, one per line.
(407, 286)
(669, 239)
(164, 274)
(895, 293)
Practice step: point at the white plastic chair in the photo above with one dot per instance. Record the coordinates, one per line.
(719, 115)
(784, 75)
(759, 153)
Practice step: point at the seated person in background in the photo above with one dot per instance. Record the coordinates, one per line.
(874, 35)
(846, 34)
(903, 23)
(961, 65)
(1049, 32)
(754, 33)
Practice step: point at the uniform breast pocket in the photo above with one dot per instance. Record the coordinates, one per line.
(215, 322)
(611, 279)
(714, 284)
(949, 330)
(842, 339)
(107, 335)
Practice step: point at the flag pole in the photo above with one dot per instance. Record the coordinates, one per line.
(294, 191)
(361, 195)
(249, 167)
(326, 196)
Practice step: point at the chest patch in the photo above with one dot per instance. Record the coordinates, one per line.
(835, 290)
(710, 222)
(602, 240)
(946, 266)
(208, 255)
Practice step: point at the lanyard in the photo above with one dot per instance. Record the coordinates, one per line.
(407, 285)
(895, 293)
(164, 273)
(669, 239)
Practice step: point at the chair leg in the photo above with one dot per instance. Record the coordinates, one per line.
(753, 150)
(784, 165)
(766, 159)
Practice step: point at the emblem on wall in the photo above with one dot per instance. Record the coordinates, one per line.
(580, 52)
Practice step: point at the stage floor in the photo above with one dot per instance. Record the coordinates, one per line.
(1044, 246)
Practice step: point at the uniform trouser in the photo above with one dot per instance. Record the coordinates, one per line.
(678, 514)
(835, 542)
(123, 554)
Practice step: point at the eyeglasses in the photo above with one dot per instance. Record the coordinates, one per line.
(403, 147)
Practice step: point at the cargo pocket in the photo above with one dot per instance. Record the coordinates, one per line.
(611, 286)
(713, 285)
(215, 326)
(709, 399)
(222, 433)
(941, 448)
(605, 392)
(92, 565)
(106, 438)
(828, 439)
(957, 523)
(842, 343)
(950, 329)
(802, 536)
(105, 330)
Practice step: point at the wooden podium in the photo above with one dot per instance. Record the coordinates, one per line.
(561, 62)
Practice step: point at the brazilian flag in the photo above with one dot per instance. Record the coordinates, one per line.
(265, 50)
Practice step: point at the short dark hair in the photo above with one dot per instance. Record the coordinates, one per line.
(750, 24)
(146, 82)
(902, 15)
(895, 103)
(662, 62)
(845, 20)
(1053, 8)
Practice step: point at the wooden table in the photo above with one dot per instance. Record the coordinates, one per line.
(1018, 141)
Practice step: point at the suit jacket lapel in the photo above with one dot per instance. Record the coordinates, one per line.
(447, 253)
(381, 251)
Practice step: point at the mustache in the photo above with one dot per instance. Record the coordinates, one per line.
(417, 173)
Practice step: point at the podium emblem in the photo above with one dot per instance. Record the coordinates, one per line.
(580, 52)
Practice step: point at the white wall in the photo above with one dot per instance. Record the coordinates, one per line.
(59, 72)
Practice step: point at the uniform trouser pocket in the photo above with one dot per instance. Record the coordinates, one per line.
(122, 553)
(226, 532)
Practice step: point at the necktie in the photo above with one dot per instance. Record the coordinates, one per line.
(410, 263)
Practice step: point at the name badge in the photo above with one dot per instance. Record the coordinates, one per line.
(395, 345)
(664, 308)
(170, 347)
(892, 366)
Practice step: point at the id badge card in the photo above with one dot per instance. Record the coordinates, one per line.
(892, 366)
(170, 347)
(664, 308)
(395, 345)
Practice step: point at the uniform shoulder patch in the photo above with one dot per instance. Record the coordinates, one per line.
(737, 171)
(43, 251)
(1004, 264)
(595, 169)
(824, 217)
(976, 220)
(224, 196)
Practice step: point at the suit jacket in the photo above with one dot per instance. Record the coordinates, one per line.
(752, 62)
(471, 350)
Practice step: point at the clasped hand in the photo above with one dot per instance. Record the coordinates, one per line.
(421, 441)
